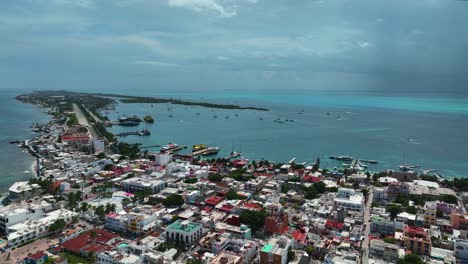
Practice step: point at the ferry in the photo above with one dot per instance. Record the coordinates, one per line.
(198, 147)
(211, 151)
(405, 167)
(342, 158)
(129, 121)
(169, 147)
(144, 132)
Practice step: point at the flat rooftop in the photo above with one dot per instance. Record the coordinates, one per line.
(184, 226)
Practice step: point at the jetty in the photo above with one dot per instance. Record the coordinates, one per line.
(141, 133)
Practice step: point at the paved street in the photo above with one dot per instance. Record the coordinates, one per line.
(365, 243)
(82, 119)
(22, 252)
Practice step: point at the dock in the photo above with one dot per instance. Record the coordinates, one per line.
(141, 133)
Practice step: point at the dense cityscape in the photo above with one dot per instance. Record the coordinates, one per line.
(98, 200)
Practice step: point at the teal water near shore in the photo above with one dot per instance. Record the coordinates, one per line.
(360, 125)
(16, 117)
(428, 131)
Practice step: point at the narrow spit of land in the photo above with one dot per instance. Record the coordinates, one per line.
(108, 98)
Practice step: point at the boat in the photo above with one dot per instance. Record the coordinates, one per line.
(426, 172)
(197, 113)
(211, 151)
(198, 147)
(148, 119)
(171, 116)
(261, 118)
(144, 132)
(342, 158)
(406, 167)
(169, 147)
(226, 117)
(129, 121)
(215, 116)
(236, 115)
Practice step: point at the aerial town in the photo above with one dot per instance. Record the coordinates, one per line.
(97, 200)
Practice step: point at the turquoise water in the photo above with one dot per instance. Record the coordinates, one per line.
(368, 127)
(364, 126)
(16, 119)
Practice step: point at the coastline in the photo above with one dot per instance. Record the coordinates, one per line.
(33, 169)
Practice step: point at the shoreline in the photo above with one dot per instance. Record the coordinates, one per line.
(33, 169)
(50, 115)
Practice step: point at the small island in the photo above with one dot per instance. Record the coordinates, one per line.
(148, 119)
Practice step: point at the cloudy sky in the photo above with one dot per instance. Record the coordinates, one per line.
(370, 45)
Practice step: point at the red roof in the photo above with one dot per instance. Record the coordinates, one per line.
(299, 236)
(239, 162)
(311, 178)
(37, 256)
(207, 209)
(333, 224)
(227, 207)
(214, 200)
(96, 247)
(78, 243)
(252, 206)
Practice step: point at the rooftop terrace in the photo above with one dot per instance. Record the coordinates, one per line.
(184, 226)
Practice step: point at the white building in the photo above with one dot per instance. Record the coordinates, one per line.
(256, 184)
(354, 202)
(115, 257)
(345, 193)
(162, 159)
(14, 214)
(138, 184)
(276, 250)
(380, 194)
(35, 229)
(460, 249)
(183, 232)
(23, 190)
(192, 195)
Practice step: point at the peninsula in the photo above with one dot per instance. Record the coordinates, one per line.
(109, 98)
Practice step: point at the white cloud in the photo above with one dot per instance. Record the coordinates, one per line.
(156, 63)
(77, 3)
(364, 44)
(203, 5)
(223, 58)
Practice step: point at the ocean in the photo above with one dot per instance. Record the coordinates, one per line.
(16, 165)
(399, 129)
(394, 129)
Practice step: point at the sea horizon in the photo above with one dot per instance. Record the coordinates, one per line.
(331, 124)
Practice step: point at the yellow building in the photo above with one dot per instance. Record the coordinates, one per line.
(430, 210)
(417, 240)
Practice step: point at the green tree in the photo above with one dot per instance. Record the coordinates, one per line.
(309, 250)
(57, 225)
(216, 177)
(232, 195)
(411, 259)
(411, 210)
(71, 200)
(101, 212)
(254, 219)
(191, 180)
(390, 240)
(173, 200)
(394, 210)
